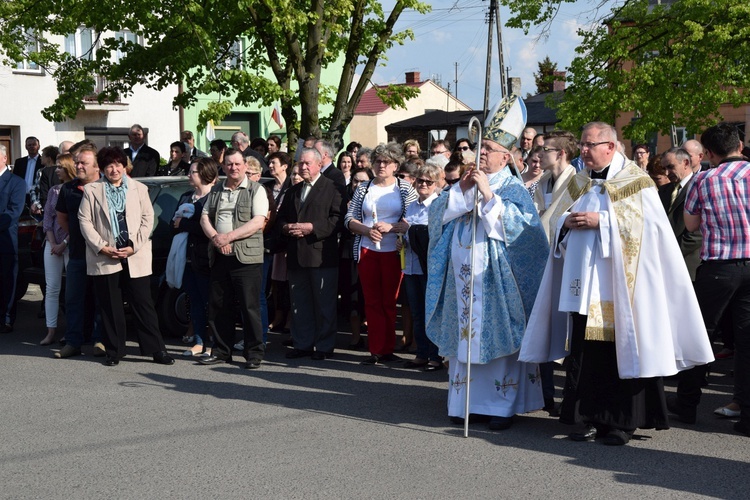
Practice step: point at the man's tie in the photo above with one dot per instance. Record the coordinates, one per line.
(305, 191)
(675, 194)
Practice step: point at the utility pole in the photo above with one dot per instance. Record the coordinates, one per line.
(501, 58)
(455, 92)
(488, 69)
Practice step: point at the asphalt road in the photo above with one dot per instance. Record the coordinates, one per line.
(76, 429)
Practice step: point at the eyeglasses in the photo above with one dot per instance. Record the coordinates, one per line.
(641, 153)
(451, 182)
(439, 152)
(463, 148)
(547, 149)
(427, 182)
(590, 145)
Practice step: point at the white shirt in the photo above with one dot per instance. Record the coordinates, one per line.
(416, 213)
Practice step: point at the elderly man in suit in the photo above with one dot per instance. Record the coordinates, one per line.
(311, 219)
(27, 166)
(677, 163)
(145, 160)
(12, 192)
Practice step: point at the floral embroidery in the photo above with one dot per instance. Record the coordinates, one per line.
(506, 385)
(533, 377)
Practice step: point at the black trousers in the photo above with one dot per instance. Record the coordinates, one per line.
(233, 286)
(8, 275)
(723, 287)
(109, 289)
(595, 394)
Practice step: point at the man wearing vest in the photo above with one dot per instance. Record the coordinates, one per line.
(233, 219)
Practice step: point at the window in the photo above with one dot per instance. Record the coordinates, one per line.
(81, 43)
(127, 36)
(31, 47)
(233, 57)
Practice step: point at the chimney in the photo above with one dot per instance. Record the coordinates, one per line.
(559, 84)
(412, 77)
(514, 83)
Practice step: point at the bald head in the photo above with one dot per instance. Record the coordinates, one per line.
(695, 150)
(527, 138)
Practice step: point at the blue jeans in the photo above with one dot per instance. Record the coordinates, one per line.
(196, 286)
(416, 288)
(80, 304)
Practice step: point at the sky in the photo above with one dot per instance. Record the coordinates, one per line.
(456, 32)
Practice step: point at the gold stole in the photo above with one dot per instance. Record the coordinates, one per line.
(624, 192)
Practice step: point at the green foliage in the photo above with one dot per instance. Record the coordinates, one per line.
(545, 77)
(287, 45)
(671, 65)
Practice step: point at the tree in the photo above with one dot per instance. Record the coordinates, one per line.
(191, 41)
(674, 63)
(545, 78)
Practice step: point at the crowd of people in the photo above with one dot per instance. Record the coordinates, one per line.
(504, 256)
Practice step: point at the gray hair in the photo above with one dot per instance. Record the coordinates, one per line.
(241, 137)
(3, 149)
(679, 153)
(326, 146)
(313, 152)
(430, 170)
(606, 131)
(393, 151)
(364, 152)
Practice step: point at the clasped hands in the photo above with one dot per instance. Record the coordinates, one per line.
(117, 253)
(380, 228)
(298, 229)
(582, 220)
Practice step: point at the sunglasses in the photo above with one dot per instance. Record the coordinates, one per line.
(463, 148)
(427, 182)
(451, 181)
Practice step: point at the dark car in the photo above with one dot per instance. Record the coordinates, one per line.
(171, 304)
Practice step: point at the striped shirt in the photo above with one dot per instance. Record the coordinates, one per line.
(721, 196)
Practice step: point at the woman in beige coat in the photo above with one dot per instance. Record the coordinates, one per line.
(116, 219)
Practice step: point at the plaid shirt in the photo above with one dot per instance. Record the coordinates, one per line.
(721, 196)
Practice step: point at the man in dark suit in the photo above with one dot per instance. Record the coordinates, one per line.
(12, 193)
(311, 221)
(325, 149)
(677, 163)
(241, 142)
(27, 166)
(187, 137)
(145, 160)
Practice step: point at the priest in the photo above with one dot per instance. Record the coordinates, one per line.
(617, 274)
(509, 252)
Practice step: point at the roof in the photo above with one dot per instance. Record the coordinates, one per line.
(371, 104)
(537, 114)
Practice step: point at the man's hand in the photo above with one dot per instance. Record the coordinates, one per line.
(220, 240)
(582, 220)
(300, 229)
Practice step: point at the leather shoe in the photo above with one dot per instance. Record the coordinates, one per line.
(683, 414)
(500, 423)
(298, 353)
(163, 358)
(617, 437)
(474, 418)
(588, 433)
(252, 364)
(320, 355)
(551, 408)
(433, 368)
(111, 361)
(415, 364)
(212, 360)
